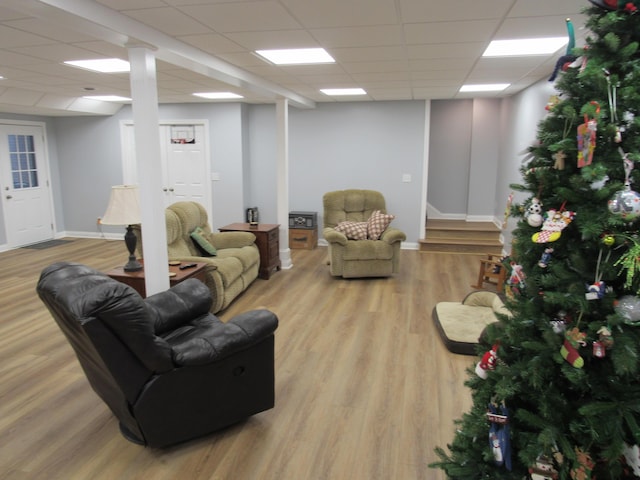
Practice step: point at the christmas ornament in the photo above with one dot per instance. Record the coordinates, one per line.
(612, 94)
(559, 158)
(488, 362)
(559, 323)
(597, 290)
(585, 466)
(606, 4)
(499, 435)
(632, 457)
(545, 258)
(573, 339)
(628, 307)
(543, 469)
(605, 338)
(555, 221)
(534, 211)
(626, 203)
(587, 138)
(568, 58)
(608, 240)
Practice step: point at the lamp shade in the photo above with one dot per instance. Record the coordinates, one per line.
(124, 206)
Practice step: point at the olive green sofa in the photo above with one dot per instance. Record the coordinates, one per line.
(236, 262)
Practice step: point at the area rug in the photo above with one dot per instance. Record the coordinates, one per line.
(47, 244)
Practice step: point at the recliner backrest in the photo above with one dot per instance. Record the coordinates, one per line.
(351, 205)
(108, 325)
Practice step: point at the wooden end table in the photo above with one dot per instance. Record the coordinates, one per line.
(267, 241)
(136, 279)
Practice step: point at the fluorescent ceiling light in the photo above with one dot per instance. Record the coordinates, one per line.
(108, 98)
(488, 87)
(297, 56)
(525, 46)
(217, 95)
(102, 65)
(334, 92)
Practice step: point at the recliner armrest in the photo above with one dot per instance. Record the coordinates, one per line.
(207, 339)
(393, 235)
(333, 236)
(178, 305)
(232, 239)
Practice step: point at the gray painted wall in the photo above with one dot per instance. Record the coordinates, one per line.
(334, 146)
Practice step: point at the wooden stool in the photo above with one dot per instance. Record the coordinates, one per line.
(491, 271)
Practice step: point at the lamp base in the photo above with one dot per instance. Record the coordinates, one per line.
(130, 240)
(133, 265)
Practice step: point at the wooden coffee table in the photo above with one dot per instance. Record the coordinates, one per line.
(136, 279)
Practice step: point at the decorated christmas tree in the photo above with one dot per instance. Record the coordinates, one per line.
(556, 393)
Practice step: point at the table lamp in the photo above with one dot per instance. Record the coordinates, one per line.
(124, 209)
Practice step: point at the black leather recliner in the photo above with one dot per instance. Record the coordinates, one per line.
(168, 369)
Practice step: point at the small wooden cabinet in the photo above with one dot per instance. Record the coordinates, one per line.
(267, 241)
(303, 238)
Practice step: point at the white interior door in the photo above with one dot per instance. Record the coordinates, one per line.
(184, 162)
(24, 180)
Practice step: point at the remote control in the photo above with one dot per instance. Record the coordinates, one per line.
(188, 265)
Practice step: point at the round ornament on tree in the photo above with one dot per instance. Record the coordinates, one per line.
(628, 307)
(625, 204)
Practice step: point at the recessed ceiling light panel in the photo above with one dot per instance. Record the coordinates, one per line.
(296, 56)
(102, 65)
(108, 98)
(525, 46)
(335, 92)
(217, 95)
(487, 87)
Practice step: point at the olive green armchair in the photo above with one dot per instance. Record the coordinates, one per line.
(359, 246)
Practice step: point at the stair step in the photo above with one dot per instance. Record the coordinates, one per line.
(459, 236)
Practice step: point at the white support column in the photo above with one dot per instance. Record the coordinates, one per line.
(146, 121)
(282, 119)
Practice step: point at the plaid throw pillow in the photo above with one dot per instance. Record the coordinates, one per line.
(378, 223)
(353, 230)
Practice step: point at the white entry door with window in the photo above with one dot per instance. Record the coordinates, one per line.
(184, 161)
(24, 180)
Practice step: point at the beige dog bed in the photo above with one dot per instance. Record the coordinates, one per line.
(461, 323)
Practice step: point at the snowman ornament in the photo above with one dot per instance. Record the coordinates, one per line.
(534, 213)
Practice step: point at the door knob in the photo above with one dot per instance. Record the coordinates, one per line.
(9, 197)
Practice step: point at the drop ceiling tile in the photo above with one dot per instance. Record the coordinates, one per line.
(213, 43)
(451, 32)
(356, 36)
(449, 50)
(340, 13)
(168, 20)
(12, 37)
(273, 39)
(365, 54)
(550, 26)
(132, 4)
(380, 66)
(527, 8)
(243, 16)
(442, 11)
(48, 30)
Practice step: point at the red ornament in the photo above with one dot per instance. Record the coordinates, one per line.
(630, 7)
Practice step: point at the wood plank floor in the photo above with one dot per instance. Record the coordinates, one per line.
(364, 387)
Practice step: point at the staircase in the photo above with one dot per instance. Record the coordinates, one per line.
(459, 236)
